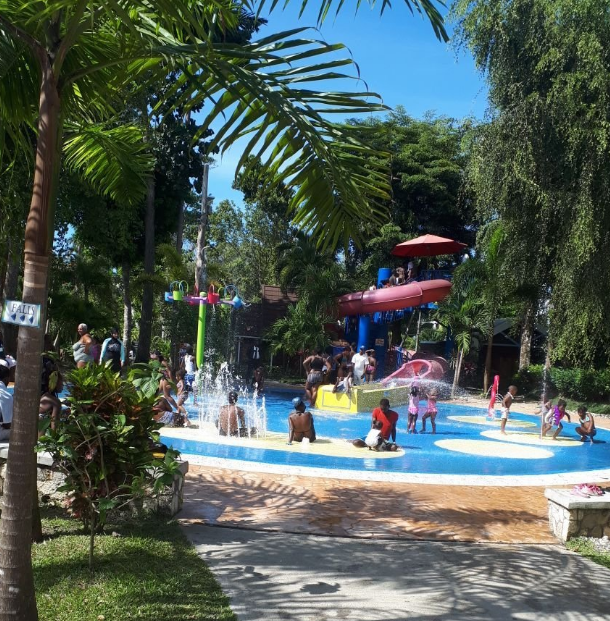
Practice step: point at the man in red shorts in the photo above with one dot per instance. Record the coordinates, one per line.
(388, 419)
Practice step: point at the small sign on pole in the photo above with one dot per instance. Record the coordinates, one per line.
(21, 313)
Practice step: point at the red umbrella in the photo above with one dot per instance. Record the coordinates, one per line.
(427, 246)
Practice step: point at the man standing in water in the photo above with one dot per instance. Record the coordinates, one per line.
(506, 403)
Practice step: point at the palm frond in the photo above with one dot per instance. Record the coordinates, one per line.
(425, 8)
(338, 181)
(113, 160)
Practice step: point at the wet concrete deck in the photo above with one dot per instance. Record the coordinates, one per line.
(365, 509)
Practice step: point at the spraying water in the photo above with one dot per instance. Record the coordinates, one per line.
(212, 394)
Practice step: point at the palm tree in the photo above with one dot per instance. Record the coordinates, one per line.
(63, 69)
(485, 276)
(463, 312)
(302, 328)
(299, 261)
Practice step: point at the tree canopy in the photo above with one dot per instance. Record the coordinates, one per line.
(543, 163)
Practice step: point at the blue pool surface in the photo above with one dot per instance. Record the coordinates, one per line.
(422, 454)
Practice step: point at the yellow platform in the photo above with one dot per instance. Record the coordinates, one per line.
(362, 398)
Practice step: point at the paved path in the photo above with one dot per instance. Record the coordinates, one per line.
(365, 509)
(291, 577)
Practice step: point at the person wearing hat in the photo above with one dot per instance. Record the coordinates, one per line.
(359, 362)
(300, 423)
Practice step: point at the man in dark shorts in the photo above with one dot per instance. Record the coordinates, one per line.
(314, 367)
(300, 423)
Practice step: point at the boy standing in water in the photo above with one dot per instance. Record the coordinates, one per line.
(506, 403)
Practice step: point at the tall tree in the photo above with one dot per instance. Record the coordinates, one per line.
(66, 65)
(545, 156)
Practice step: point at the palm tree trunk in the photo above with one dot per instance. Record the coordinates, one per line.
(487, 373)
(146, 315)
(17, 597)
(456, 375)
(127, 311)
(527, 332)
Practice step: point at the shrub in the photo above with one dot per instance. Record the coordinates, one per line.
(579, 384)
(105, 444)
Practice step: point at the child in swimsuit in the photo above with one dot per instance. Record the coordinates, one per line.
(431, 411)
(506, 403)
(413, 408)
(587, 425)
(553, 419)
(182, 394)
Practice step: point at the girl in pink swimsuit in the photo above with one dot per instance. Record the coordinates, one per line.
(413, 408)
(431, 411)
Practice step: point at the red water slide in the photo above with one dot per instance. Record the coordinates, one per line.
(393, 298)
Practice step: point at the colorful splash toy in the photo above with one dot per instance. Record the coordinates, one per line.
(227, 296)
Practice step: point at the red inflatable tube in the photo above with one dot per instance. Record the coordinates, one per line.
(393, 298)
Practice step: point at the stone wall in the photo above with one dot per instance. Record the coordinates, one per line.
(572, 516)
(49, 479)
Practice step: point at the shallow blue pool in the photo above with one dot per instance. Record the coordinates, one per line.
(468, 445)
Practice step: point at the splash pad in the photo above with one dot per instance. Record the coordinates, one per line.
(467, 449)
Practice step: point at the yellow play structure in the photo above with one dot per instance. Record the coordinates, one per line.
(363, 398)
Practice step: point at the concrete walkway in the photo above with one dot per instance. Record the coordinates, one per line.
(288, 577)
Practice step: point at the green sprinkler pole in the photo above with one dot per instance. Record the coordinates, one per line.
(201, 334)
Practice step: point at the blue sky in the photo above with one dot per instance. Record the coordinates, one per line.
(399, 58)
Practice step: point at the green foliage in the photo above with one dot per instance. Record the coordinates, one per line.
(302, 329)
(543, 164)
(586, 548)
(580, 384)
(149, 571)
(104, 445)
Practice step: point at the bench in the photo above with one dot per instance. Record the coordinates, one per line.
(574, 516)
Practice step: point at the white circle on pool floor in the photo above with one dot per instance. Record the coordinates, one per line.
(490, 422)
(523, 437)
(486, 448)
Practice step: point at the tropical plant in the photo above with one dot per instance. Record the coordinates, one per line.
(64, 67)
(300, 330)
(463, 313)
(105, 445)
(487, 278)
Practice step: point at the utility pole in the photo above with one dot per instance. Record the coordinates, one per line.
(201, 264)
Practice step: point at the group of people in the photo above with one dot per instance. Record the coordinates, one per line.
(552, 416)
(168, 410)
(89, 350)
(402, 275)
(345, 369)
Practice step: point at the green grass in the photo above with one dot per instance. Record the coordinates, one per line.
(146, 570)
(586, 549)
